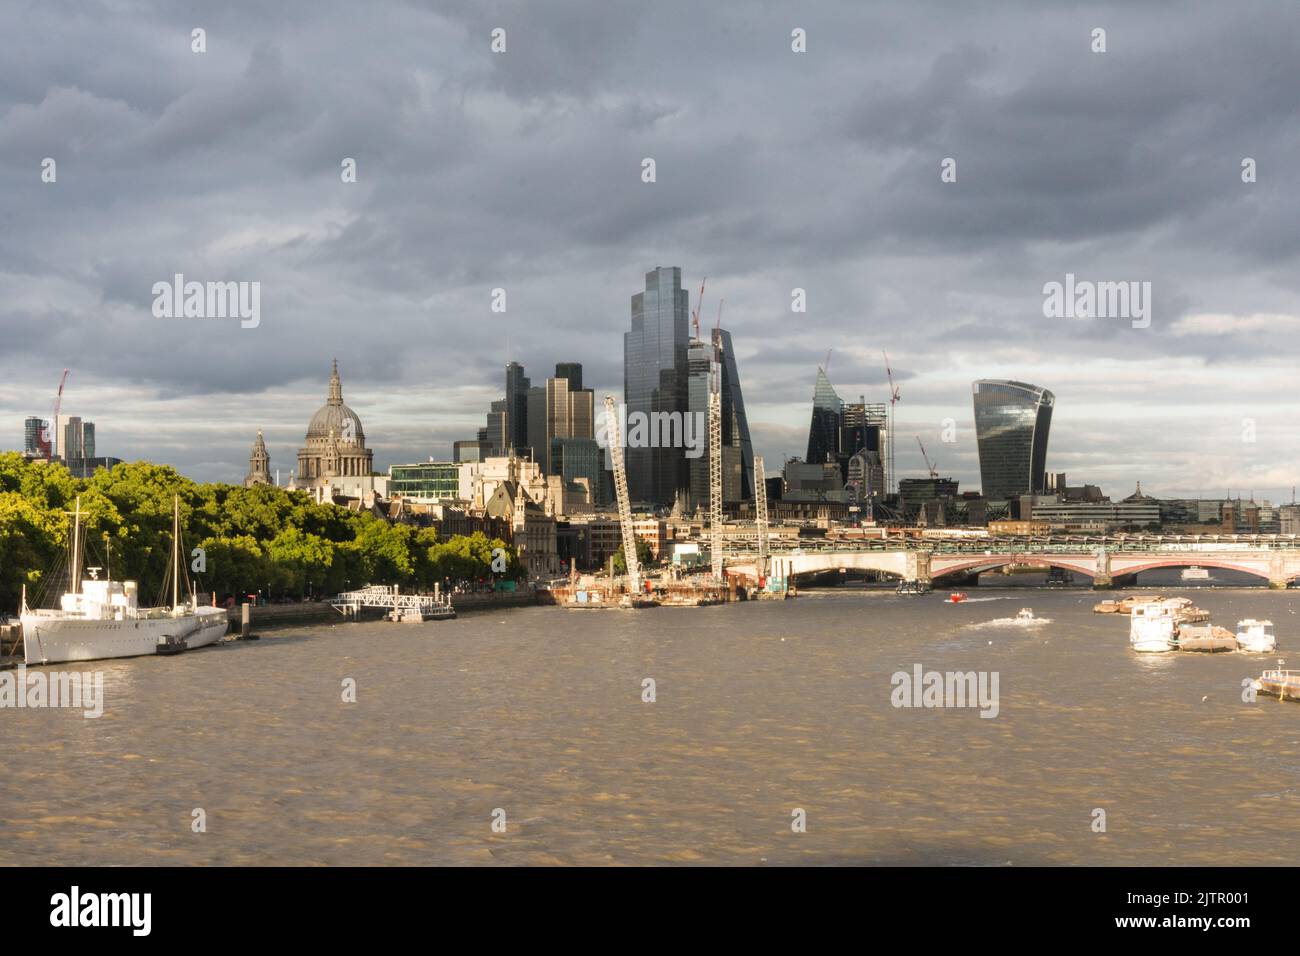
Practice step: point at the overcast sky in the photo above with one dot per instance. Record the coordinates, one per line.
(775, 170)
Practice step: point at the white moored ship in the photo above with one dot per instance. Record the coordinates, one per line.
(101, 619)
(1256, 636)
(1153, 628)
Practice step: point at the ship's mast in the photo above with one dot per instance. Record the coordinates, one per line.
(76, 545)
(176, 550)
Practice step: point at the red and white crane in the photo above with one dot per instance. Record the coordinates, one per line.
(54, 425)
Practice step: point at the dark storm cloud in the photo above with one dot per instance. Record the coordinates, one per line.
(775, 171)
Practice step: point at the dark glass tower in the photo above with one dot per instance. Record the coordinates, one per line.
(1012, 420)
(654, 381)
(517, 385)
(824, 432)
(737, 450)
(572, 372)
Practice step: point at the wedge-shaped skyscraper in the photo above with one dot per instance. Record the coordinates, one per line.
(1012, 420)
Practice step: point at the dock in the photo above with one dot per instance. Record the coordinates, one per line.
(399, 607)
(1284, 685)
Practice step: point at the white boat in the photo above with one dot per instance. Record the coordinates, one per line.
(1153, 627)
(101, 619)
(1195, 574)
(1025, 614)
(1256, 636)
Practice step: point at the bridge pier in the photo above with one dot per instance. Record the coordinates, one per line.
(1101, 579)
(1277, 579)
(918, 567)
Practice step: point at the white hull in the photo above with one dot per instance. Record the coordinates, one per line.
(50, 639)
(1256, 637)
(1152, 629)
(1257, 645)
(1152, 647)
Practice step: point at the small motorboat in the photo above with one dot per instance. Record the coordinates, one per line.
(171, 644)
(956, 597)
(1025, 614)
(1254, 636)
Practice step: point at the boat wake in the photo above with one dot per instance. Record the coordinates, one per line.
(1010, 622)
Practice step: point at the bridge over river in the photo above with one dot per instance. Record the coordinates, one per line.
(1110, 562)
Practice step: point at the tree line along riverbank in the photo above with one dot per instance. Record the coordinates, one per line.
(260, 540)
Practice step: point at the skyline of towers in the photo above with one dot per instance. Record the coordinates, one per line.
(1012, 422)
(851, 435)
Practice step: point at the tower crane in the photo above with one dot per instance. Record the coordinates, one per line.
(760, 515)
(934, 472)
(695, 316)
(54, 425)
(715, 467)
(615, 440)
(889, 438)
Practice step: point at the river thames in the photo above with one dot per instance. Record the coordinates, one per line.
(534, 719)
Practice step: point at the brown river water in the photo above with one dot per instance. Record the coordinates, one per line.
(760, 709)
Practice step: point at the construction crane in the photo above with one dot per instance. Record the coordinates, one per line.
(934, 472)
(715, 467)
(615, 439)
(54, 425)
(695, 316)
(760, 515)
(889, 426)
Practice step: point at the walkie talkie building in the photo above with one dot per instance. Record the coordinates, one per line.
(1012, 420)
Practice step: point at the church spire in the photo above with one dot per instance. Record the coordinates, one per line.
(336, 386)
(259, 464)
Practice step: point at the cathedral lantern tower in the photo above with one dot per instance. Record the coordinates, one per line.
(259, 464)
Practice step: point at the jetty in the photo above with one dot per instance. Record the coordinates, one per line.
(1284, 685)
(398, 606)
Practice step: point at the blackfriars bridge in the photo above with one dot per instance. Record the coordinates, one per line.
(1110, 562)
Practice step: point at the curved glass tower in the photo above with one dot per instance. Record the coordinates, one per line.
(1012, 420)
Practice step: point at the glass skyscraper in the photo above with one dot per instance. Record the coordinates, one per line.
(516, 421)
(1012, 420)
(824, 431)
(654, 380)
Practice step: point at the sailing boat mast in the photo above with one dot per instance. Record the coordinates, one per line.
(176, 550)
(76, 546)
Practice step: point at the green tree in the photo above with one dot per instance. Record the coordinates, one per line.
(643, 556)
